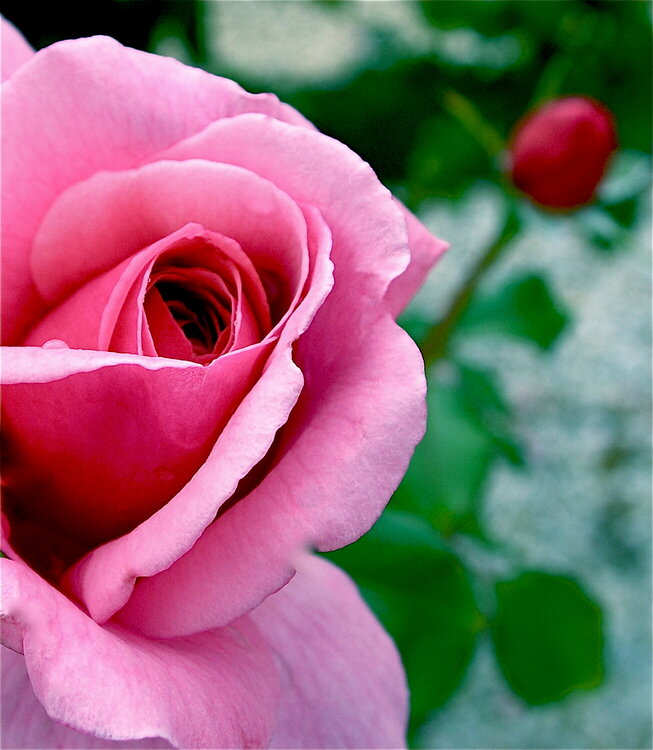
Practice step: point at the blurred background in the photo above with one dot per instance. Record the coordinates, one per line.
(513, 565)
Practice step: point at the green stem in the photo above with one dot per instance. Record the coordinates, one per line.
(436, 343)
(552, 78)
(474, 123)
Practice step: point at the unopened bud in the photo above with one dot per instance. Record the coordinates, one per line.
(559, 152)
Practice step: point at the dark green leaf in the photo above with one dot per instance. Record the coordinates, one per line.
(488, 18)
(372, 113)
(481, 390)
(444, 172)
(397, 542)
(547, 636)
(525, 308)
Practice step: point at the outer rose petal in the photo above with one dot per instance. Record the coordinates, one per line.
(341, 677)
(344, 684)
(14, 48)
(25, 724)
(28, 364)
(425, 251)
(134, 104)
(215, 689)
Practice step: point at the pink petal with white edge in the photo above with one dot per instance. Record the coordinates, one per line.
(31, 364)
(217, 689)
(133, 104)
(15, 49)
(25, 724)
(343, 685)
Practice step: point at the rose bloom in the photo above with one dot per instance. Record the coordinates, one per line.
(202, 380)
(560, 151)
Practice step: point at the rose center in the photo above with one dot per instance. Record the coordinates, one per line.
(200, 321)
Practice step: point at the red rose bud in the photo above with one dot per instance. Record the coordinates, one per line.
(559, 152)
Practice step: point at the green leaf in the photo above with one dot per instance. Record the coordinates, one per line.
(421, 592)
(482, 394)
(524, 308)
(437, 652)
(548, 637)
(481, 390)
(446, 477)
(399, 541)
(625, 213)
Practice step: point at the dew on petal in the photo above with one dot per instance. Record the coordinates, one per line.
(55, 344)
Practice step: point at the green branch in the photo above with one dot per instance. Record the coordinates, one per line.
(436, 343)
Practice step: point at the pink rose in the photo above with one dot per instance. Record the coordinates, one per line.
(202, 379)
(560, 151)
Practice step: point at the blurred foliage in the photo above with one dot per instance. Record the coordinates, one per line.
(432, 123)
(524, 308)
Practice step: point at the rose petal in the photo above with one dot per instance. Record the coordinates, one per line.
(370, 244)
(30, 364)
(87, 319)
(425, 251)
(25, 724)
(119, 213)
(134, 104)
(362, 410)
(105, 579)
(215, 689)
(343, 684)
(350, 438)
(15, 49)
(171, 341)
(94, 454)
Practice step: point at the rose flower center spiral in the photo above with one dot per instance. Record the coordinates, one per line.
(200, 322)
(193, 296)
